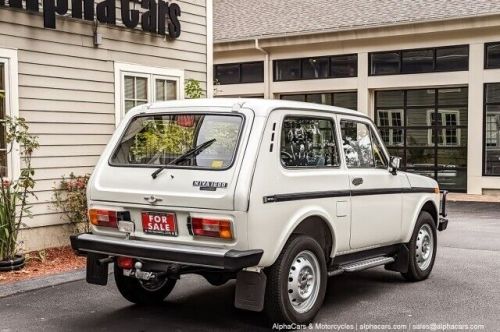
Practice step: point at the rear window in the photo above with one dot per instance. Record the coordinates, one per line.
(158, 140)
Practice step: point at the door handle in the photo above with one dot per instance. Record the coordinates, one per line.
(357, 181)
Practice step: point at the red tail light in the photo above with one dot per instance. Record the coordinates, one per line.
(125, 263)
(212, 227)
(103, 218)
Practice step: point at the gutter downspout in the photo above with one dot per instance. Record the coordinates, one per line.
(267, 70)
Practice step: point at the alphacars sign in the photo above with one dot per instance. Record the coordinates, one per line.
(160, 18)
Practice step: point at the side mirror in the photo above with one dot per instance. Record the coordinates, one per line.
(395, 165)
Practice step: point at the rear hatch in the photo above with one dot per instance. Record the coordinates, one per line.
(205, 179)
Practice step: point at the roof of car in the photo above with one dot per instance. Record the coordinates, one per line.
(261, 107)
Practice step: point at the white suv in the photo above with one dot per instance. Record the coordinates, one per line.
(279, 195)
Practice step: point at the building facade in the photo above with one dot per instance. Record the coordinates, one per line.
(72, 69)
(428, 73)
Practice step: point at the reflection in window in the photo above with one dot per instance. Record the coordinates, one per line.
(340, 99)
(344, 65)
(317, 67)
(391, 118)
(492, 130)
(160, 139)
(287, 70)
(428, 129)
(449, 58)
(452, 58)
(418, 61)
(492, 55)
(385, 63)
(308, 142)
(235, 73)
(357, 144)
(447, 121)
(252, 72)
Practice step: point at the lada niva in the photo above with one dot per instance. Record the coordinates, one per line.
(278, 195)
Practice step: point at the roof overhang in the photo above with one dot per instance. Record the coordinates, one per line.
(365, 32)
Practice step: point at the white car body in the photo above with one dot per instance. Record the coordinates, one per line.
(265, 201)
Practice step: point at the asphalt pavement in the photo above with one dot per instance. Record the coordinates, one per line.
(463, 289)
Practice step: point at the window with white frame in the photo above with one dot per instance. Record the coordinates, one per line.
(3, 147)
(9, 155)
(137, 85)
(386, 121)
(492, 130)
(447, 121)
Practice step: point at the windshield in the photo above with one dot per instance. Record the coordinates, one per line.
(157, 140)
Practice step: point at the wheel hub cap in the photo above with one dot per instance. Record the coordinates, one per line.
(424, 249)
(303, 281)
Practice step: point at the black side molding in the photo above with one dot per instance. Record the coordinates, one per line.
(344, 193)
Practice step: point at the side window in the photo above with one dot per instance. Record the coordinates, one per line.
(378, 152)
(308, 142)
(357, 143)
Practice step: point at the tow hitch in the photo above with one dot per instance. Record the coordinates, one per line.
(142, 275)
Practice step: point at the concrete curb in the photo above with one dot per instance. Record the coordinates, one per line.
(39, 283)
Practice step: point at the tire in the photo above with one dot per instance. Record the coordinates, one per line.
(138, 292)
(422, 247)
(301, 254)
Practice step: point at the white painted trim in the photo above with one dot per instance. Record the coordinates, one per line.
(121, 68)
(210, 49)
(9, 57)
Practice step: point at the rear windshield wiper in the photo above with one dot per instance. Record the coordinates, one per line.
(193, 152)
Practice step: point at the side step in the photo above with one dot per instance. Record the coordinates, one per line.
(361, 265)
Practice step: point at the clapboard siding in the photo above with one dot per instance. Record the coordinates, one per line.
(30, 104)
(55, 173)
(66, 85)
(67, 117)
(65, 150)
(73, 139)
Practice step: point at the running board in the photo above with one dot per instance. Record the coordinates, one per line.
(361, 265)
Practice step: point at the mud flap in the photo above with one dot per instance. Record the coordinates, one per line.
(402, 260)
(97, 272)
(250, 291)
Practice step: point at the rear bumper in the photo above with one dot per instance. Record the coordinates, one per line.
(443, 221)
(167, 253)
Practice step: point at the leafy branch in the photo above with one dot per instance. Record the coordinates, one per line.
(14, 192)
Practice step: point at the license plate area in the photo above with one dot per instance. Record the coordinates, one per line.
(159, 223)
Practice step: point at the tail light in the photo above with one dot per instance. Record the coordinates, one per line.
(107, 218)
(125, 263)
(219, 228)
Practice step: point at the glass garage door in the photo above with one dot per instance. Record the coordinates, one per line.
(428, 129)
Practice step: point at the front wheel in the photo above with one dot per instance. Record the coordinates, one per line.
(143, 292)
(422, 246)
(296, 282)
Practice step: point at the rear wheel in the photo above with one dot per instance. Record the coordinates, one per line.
(296, 283)
(422, 246)
(143, 292)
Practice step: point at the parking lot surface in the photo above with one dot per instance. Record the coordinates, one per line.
(463, 289)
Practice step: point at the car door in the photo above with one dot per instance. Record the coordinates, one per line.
(376, 200)
(300, 173)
